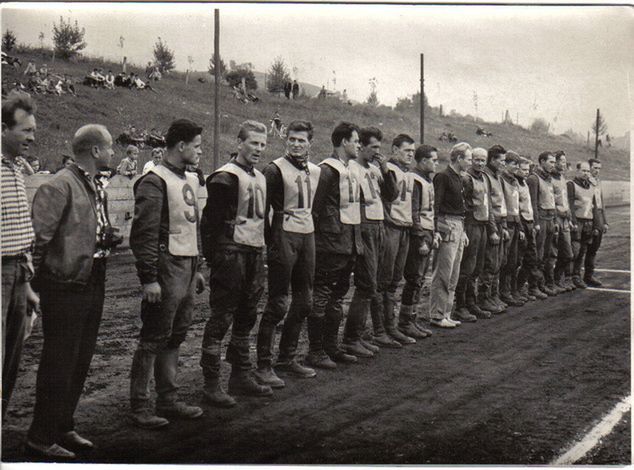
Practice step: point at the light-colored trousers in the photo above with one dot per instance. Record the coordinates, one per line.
(446, 266)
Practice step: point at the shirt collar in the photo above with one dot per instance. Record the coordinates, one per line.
(249, 169)
(174, 169)
(450, 168)
(297, 164)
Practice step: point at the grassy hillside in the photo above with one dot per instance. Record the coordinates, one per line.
(59, 116)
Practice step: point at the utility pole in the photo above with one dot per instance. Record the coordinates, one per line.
(422, 98)
(596, 136)
(216, 86)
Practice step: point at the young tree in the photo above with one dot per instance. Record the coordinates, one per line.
(278, 75)
(8, 41)
(234, 78)
(68, 38)
(222, 66)
(163, 56)
(601, 129)
(540, 126)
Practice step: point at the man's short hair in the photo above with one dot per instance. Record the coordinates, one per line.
(250, 126)
(591, 161)
(301, 126)
(424, 151)
(182, 130)
(544, 156)
(459, 151)
(366, 134)
(495, 152)
(558, 154)
(130, 148)
(402, 139)
(512, 157)
(525, 161)
(579, 164)
(342, 131)
(479, 151)
(87, 137)
(16, 100)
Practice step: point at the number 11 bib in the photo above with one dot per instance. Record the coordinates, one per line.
(299, 192)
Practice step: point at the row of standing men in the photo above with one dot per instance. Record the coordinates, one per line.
(356, 212)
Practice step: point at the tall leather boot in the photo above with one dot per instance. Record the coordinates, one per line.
(213, 393)
(140, 374)
(242, 381)
(390, 321)
(167, 405)
(380, 337)
(357, 313)
(406, 323)
(331, 341)
(495, 295)
(317, 357)
(484, 298)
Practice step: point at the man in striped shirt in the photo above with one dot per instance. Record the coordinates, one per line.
(18, 132)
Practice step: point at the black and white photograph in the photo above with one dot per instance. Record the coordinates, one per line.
(316, 233)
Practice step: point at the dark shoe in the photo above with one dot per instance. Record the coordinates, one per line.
(214, 394)
(384, 340)
(488, 305)
(463, 315)
(357, 349)
(243, 383)
(296, 369)
(593, 282)
(400, 337)
(72, 440)
(422, 329)
(369, 346)
(411, 331)
(266, 376)
(499, 302)
(340, 356)
(569, 284)
(550, 292)
(561, 287)
(320, 360)
(519, 297)
(510, 300)
(556, 288)
(537, 293)
(179, 410)
(53, 451)
(578, 282)
(478, 312)
(147, 420)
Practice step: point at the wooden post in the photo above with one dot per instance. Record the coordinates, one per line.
(422, 98)
(596, 137)
(216, 87)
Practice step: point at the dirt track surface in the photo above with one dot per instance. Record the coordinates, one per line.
(516, 389)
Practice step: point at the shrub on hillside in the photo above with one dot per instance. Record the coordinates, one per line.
(8, 41)
(212, 67)
(68, 38)
(163, 56)
(540, 126)
(278, 76)
(234, 78)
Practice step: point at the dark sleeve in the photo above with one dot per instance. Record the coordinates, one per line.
(440, 184)
(47, 210)
(222, 193)
(328, 180)
(503, 182)
(416, 198)
(389, 190)
(492, 227)
(571, 201)
(467, 188)
(274, 194)
(149, 193)
(533, 189)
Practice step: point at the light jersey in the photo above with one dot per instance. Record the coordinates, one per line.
(598, 193)
(546, 194)
(299, 193)
(426, 211)
(583, 201)
(401, 207)
(498, 201)
(349, 192)
(512, 198)
(369, 180)
(480, 198)
(182, 203)
(526, 207)
(248, 228)
(560, 189)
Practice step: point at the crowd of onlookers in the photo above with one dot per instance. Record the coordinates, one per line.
(98, 79)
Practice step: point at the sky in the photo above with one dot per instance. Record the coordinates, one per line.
(559, 63)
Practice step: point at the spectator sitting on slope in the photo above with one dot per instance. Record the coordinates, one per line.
(30, 69)
(157, 156)
(128, 165)
(109, 80)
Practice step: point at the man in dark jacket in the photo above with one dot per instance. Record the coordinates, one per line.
(337, 217)
(73, 238)
(164, 239)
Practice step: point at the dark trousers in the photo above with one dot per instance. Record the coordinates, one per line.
(365, 300)
(70, 323)
(545, 243)
(165, 326)
(591, 254)
(581, 240)
(564, 252)
(493, 261)
(527, 254)
(332, 282)
(391, 269)
(291, 261)
(416, 266)
(509, 268)
(472, 264)
(237, 283)
(14, 306)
